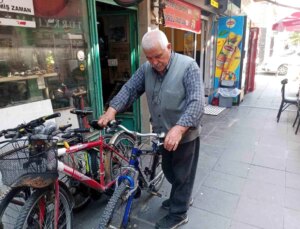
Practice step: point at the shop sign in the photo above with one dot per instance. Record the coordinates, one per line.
(213, 3)
(19, 13)
(182, 15)
(17, 6)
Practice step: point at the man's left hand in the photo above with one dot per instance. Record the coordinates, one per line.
(174, 137)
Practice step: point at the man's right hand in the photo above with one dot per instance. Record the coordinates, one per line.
(108, 116)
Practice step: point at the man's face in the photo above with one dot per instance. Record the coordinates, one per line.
(159, 57)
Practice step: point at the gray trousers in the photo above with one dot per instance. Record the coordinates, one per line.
(180, 168)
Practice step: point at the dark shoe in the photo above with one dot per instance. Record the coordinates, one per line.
(166, 204)
(171, 221)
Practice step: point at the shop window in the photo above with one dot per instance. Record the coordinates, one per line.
(184, 42)
(39, 46)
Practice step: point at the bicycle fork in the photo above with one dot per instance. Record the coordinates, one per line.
(129, 199)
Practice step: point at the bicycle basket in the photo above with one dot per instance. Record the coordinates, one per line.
(24, 164)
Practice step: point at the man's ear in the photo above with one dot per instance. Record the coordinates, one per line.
(169, 46)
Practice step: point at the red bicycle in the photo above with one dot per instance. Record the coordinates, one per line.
(51, 201)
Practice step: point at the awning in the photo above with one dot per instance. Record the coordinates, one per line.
(290, 23)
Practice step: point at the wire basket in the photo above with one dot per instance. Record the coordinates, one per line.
(24, 164)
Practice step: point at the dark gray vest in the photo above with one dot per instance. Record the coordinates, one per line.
(166, 96)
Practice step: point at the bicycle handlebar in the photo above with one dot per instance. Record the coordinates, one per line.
(115, 123)
(28, 127)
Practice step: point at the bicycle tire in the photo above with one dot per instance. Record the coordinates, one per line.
(114, 210)
(11, 203)
(123, 143)
(29, 216)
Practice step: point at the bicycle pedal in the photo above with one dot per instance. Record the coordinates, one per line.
(155, 193)
(74, 183)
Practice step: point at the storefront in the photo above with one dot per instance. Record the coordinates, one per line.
(52, 52)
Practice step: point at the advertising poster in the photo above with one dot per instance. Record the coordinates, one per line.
(229, 51)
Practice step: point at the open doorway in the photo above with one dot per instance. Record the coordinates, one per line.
(117, 39)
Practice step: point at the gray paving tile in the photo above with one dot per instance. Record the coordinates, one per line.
(206, 220)
(267, 175)
(207, 161)
(269, 161)
(263, 215)
(212, 150)
(291, 219)
(293, 145)
(292, 199)
(236, 168)
(293, 154)
(240, 154)
(216, 201)
(225, 182)
(237, 225)
(264, 192)
(292, 180)
(271, 150)
(274, 140)
(293, 166)
(216, 141)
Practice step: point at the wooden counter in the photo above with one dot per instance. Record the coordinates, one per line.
(17, 78)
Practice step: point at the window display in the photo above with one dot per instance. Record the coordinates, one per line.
(38, 60)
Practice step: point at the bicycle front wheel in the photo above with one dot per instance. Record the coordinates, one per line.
(115, 209)
(10, 206)
(123, 143)
(39, 210)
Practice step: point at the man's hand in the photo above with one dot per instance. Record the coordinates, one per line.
(109, 115)
(174, 137)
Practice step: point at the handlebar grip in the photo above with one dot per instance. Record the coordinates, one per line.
(94, 125)
(54, 115)
(114, 123)
(10, 135)
(63, 128)
(67, 135)
(81, 130)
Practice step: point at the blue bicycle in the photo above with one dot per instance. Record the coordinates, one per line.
(143, 172)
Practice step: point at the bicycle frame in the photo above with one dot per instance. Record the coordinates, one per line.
(72, 172)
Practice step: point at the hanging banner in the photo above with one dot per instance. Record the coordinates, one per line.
(17, 13)
(182, 15)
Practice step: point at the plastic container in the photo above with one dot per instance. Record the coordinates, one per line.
(225, 101)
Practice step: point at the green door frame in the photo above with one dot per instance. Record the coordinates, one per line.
(94, 60)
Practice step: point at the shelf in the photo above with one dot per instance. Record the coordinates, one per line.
(18, 78)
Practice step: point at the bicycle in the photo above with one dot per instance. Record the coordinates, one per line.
(133, 177)
(17, 197)
(14, 198)
(52, 204)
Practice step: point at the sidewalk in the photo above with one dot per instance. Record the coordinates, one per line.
(248, 173)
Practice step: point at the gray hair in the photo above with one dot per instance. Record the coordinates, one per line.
(154, 37)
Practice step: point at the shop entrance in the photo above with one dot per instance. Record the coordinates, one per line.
(189, 43)
(117, 39)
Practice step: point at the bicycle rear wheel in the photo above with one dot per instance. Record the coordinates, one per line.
(10, 206)
(114, 211)
(150, 165)
(39, 210)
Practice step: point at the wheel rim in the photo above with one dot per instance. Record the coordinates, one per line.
(41, 214)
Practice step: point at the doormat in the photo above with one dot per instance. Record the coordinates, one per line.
(213, 110)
